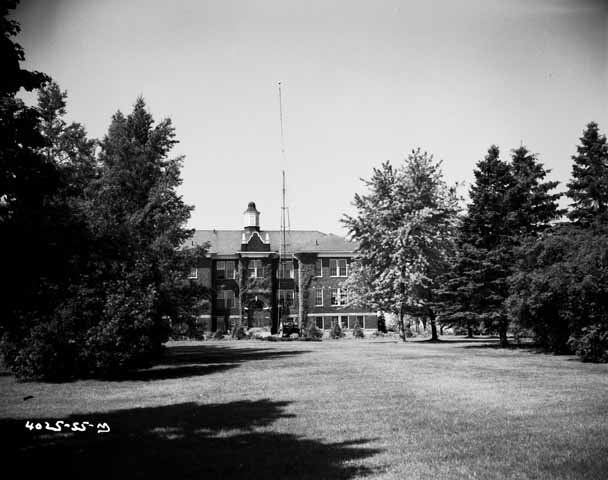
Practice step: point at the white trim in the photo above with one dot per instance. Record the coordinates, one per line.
(336, 254)
(318, 259)
(225, 269)
(256, 270)
(322, 297)
(255, 254)
(255, 232)
(338, 297)
(337, 260)
(334, 314)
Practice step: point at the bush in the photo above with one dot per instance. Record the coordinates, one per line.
(336, 331)
(218, 335)
(313, 333)
(358, 331)
(592, 344)
(239, 332)
(100, 333)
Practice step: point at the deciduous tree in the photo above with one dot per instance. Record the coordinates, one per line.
(404, 226)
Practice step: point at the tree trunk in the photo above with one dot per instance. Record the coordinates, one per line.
(434, 336)
(401, 325)
(469, 332)
(440, 329)
(502, 333)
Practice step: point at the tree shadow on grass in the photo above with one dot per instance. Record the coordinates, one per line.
(208, 354)
(198, 360)
(527, 347)
(187, 440)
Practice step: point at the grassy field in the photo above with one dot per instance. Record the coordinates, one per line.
(335, 409)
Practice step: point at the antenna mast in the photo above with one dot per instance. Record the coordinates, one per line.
(283, 248)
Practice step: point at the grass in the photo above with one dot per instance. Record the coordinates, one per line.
(332, 409)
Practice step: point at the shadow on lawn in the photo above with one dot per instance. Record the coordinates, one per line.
(197, 360)
(187, 440)
(529, 347)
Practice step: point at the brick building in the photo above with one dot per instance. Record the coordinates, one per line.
(250, 283)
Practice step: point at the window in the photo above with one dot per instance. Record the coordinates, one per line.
(333, 296)
(224, 270)
(220, 270)
(319, 268)
(344, 322)
(319, 322)
(337, 296)
(193, 273)
(255, 268)
(224, 300)
(343, 296)
(286, 297)
(286, 269)
(230, 271)
(337, 267)
(319, 297)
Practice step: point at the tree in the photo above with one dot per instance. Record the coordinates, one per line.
(404, 227)
(31, 222)
(561, 286)
(509, 201)
(588, 188)
(140, 219)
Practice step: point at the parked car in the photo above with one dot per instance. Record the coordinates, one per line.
(290, 327)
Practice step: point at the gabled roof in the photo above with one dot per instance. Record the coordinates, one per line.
(227, 242)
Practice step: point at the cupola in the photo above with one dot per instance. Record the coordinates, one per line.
(252, 218)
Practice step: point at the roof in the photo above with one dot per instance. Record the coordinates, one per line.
(226, 242)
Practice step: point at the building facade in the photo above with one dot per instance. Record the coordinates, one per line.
(261, 279)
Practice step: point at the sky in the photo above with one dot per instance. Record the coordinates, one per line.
(362, 82)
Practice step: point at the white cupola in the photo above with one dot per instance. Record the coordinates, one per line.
(252, 218)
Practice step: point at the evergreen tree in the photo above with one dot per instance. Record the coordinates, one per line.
(140, 219)
(509, 201)
(588, 188)
(405, 228)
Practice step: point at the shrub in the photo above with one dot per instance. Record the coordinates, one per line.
(336, 331)
(313, 333)
(218, 335)
(592, 344)
(358, 331)
(239, 332)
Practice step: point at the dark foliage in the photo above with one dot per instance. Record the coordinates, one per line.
(592, 343)
(561, 286)
(509, 202)
(358, 331)
(94, 273)
(336, 331)
(313, 332)
(588, 188)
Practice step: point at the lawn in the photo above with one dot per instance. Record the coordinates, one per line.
(332, 409)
